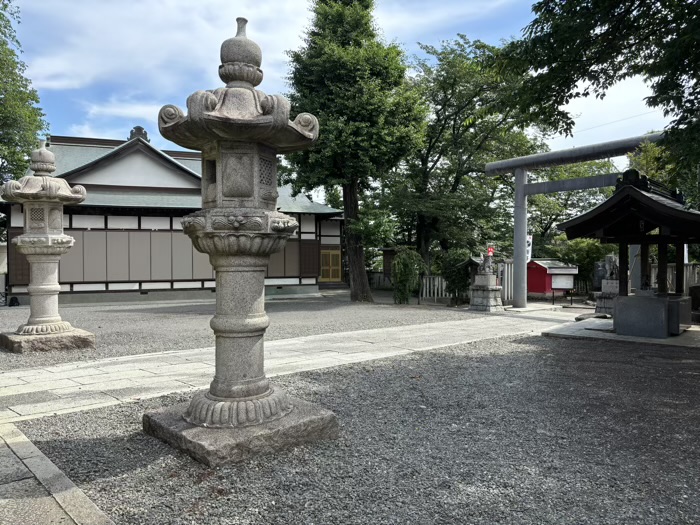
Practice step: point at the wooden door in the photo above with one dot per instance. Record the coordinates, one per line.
(330, 266)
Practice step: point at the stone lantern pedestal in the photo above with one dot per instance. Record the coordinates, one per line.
(43, 243)
(485, 293)
(240, 131)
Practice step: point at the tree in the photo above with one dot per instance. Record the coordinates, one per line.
(442, 191)
(20, 119)
(455, 271)
(369, 117)
(581, 48)
(582, 252)
(406, 269)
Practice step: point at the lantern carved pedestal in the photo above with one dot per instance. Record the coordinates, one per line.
(239, 130)
(43, 243)
(485, 293)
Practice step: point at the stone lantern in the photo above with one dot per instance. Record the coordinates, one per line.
(43, 243)
(239, 131)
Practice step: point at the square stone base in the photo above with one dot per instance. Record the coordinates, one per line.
(76, 339)
(219, 446)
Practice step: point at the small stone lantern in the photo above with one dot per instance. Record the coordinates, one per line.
(239, 131)
(43, 243)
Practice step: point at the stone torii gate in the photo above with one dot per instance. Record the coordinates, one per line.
(519, 166)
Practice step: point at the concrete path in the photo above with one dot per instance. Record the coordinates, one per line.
(38, 392)
(602, 329)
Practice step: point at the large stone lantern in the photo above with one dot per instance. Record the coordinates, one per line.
(43, 243)
(239, 130)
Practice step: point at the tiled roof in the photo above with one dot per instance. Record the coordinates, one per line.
(71, 155)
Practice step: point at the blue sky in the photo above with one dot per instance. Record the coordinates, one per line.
(104, 66)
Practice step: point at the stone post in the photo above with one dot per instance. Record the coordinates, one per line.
(43, 243)
(240, 131)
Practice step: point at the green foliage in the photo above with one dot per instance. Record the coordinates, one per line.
(582, 252)
(406, 269)
(20, 119)
(455, 270)
(545, 211)
(440, 194)
(581, 48)
(658, 163)
(334, 197)
(369, 116)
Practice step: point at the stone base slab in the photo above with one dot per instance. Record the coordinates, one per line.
(214, 447)
(76, 339)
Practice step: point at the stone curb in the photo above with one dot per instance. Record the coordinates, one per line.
(70, 498)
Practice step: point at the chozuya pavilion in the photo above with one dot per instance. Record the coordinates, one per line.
(643, 212)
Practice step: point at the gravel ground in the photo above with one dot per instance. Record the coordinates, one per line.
(519, 430)
(155, 327)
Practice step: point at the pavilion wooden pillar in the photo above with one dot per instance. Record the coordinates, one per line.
(662, 274)
(624, 269)
(644, 266)
(680, 268)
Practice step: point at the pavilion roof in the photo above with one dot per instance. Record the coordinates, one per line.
(637, 208)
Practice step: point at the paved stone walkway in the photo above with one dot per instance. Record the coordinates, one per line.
(38, 392)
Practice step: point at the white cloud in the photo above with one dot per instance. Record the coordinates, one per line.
(122, 108)
(157, 44)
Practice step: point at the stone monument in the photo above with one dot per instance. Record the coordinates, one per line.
(239, 130)
(485, 292)
(43, 242)
(610, 287)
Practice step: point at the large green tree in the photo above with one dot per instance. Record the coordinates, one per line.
(20, 118)
(579, 48)
(369, 118)
(441, 192)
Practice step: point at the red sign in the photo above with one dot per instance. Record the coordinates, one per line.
(489, 251)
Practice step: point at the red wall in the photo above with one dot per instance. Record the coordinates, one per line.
(538, 280)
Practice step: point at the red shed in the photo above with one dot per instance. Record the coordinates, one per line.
(547, 275)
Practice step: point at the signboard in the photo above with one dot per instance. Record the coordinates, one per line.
(529, 248)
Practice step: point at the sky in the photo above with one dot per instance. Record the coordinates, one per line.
(102, 67)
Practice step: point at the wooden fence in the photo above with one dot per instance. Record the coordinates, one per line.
(505, 277)
(433, 288)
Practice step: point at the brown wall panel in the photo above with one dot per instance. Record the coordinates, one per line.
(201, 269)
(182, 256)
(275, 267)
(70, 269)
(117, 256)
(309, 251)
(139, 256)
(95, 256)
(291, 259)
(161, 256)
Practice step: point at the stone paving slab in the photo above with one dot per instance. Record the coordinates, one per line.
(86, 385)
(33, 491)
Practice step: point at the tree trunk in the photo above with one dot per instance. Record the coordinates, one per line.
(359, 284)
(426, 227)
